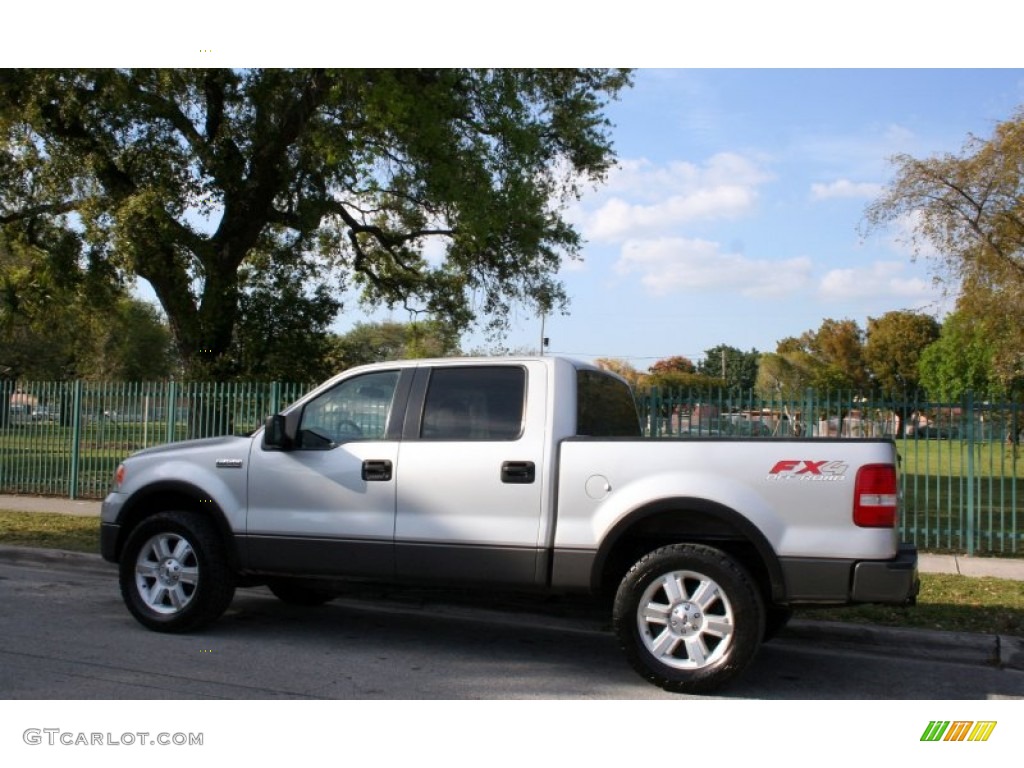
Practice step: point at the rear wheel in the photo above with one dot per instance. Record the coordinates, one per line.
(689, 618)
(174, 573)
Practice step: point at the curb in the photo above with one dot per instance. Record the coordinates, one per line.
(1003, 651)
(55, 558)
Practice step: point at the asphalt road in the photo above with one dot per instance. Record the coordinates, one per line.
(65, 634)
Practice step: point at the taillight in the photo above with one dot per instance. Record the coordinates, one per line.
(119, 475)
(876, 496)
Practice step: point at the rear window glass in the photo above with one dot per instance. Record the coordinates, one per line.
(605, 406)
(479, 403)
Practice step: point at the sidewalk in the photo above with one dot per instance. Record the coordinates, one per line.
(81, 507)
(998, 567)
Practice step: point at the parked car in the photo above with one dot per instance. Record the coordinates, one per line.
(44, 413)
(937, 433)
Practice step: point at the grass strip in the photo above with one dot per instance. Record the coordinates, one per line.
(50, 531)
(947, 602)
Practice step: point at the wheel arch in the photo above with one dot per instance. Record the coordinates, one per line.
(687, 519)
(174, 496)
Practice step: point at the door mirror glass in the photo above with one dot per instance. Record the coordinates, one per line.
(275, 435)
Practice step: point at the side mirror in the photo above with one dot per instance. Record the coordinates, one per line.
(275, 435)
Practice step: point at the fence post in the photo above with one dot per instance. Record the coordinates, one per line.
(275, 397)
(76, 437)
(172, 410)
(6, 388)
(970, 472)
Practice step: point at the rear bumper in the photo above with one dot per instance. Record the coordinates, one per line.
(889, 581)
(830, 582)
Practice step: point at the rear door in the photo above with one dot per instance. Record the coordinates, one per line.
(470, 485)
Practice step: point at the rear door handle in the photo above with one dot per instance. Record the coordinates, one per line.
(377, 470)
(518, 472)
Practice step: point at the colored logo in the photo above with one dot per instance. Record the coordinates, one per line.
(958, 730)
(807, 470)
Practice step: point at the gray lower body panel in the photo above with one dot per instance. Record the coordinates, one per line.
(572, 569)
(469, 564)
(381, 559)
(301, 556)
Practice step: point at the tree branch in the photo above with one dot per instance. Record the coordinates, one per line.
(48, 209)
(387, 240)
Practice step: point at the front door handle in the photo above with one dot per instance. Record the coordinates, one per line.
(377, 470)
(518, 472)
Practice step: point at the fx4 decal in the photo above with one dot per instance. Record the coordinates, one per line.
(809, 470)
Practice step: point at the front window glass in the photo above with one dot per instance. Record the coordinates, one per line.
(356, 409)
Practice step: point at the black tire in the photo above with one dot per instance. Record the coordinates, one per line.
(174, 572)
(295, 592)
(689, 618)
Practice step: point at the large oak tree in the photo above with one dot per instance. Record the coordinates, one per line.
(207, 183)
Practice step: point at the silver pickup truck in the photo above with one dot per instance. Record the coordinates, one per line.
(514, 474)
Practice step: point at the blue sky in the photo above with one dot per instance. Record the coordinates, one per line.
(734, 216)
(735, 213)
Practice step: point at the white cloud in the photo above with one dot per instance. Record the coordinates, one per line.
(844, 188)
(899, 135)
(671, 264)
(644, 199)
(880, 279)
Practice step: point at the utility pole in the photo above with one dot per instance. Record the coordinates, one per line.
(543, 306)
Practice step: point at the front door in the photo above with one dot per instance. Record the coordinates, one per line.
(327, 506)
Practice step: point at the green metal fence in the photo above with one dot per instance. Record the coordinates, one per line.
(66, 438)
(961, 462)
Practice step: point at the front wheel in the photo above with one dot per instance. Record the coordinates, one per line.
(174, 573)
(689, 618)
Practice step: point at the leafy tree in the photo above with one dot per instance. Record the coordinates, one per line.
(786, 374)
(378, 342)
(679, 372)
(59, 321)
(960, 361)
(997, 310)
(188, 178)
(675, 364)
(737, 368)
(284, 323)
(830, 358)
(623, 368)
(129, 343)
(791, 344)
(967, 210)
(839, 346)
(895, 343)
